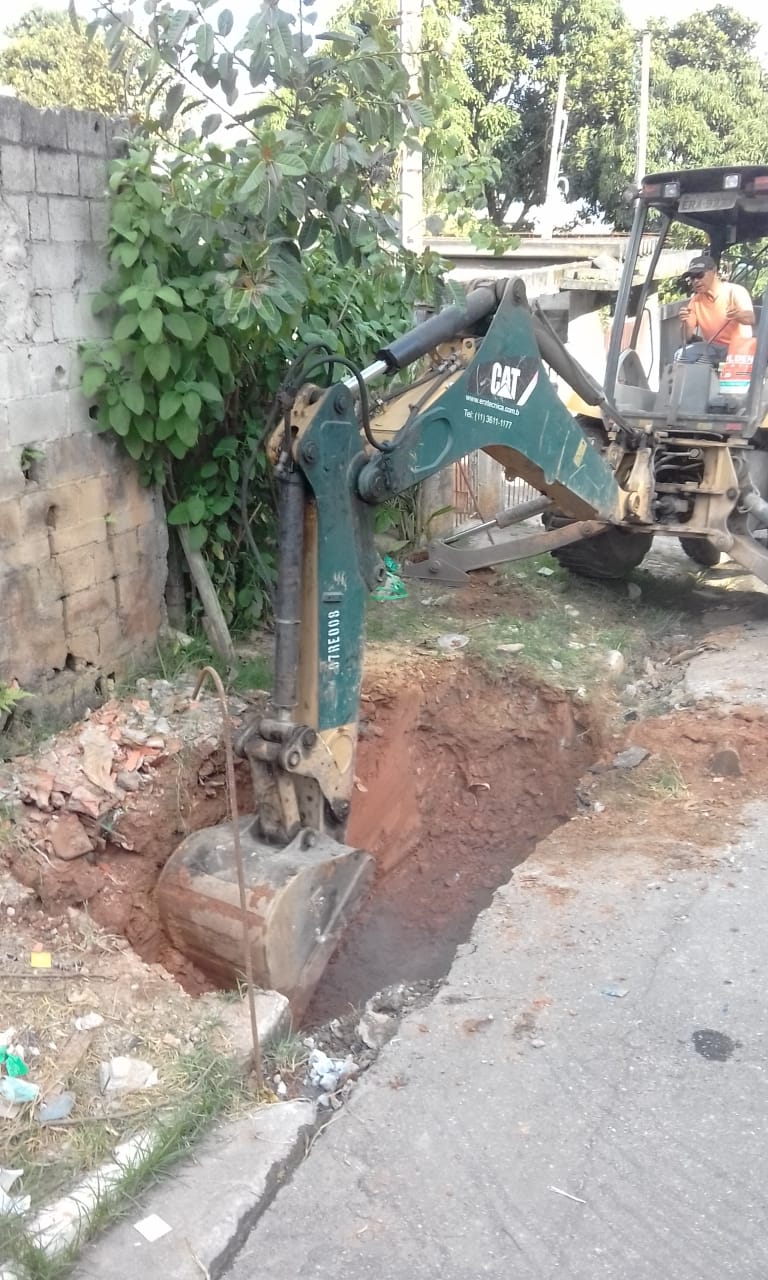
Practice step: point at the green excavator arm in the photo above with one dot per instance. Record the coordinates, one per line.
(494, 393)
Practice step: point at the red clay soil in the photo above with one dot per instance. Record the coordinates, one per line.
(462, 776)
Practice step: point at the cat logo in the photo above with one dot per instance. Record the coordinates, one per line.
(513, 383)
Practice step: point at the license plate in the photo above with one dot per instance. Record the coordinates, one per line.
(714, 200)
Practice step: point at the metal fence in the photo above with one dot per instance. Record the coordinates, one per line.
(465, 489)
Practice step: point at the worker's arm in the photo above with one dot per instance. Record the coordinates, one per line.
(687, 317)
(740, 306)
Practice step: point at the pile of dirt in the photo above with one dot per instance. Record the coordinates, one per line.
(102, 806)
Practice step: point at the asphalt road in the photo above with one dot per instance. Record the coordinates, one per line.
(558, 1110)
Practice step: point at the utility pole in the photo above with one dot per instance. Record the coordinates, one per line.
(411, 175)
(559, 126)
(641, 153)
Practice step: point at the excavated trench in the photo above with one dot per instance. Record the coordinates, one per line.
(458, 777)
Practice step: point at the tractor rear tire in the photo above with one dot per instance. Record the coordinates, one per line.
(607, 556)
(701, 551)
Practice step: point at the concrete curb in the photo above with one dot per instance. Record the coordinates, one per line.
(210, 1203)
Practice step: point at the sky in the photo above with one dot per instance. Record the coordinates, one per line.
(638, 10)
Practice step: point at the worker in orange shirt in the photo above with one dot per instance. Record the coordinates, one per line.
(717, 314)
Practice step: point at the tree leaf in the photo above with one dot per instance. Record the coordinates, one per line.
(210, 124)
(151, 324)
(93, 378)
(170, 403)
(225, 22)
(178, 326)
(150, 193)
(205, 42)
(125, 326)
(197, 537)
(179, 450)
(170, 295)
(132, 397)
(158, 358)
(178, 514)
(134, 445)
(119, 419)
(192, 405)
(195, 509)
(219, 352)
(207, 391)
(186, 430)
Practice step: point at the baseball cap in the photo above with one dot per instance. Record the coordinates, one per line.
(704, 262)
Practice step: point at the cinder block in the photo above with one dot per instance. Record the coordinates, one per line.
(56, 173)
(35, 370)
(79, 502)
(17, 168)
(19, 207)
(10, 120)
(10, 523)
(76, 569)
(119, 555)
(113, 644)
(85, 645)
(12, 482)
(79, 420)
(70, 218)
(43, 128)
(128, 509)
(37, 418)
(42, 317)
(37, 513)
(86, 131)
(91, 266)
(69, 536)
(152, 537)
(118, 134)
(86, 609)
(73, 316)
(48, 581)
(99, 221)
(70, 459)
(93, 176)
(141, 607)
(39, 225)
(53, 267)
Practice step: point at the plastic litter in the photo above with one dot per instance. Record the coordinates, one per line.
(12, 1204)
(452, 640)
(89, 1022)
(393, 587)
(55, 1108)
(126, 1075)
(152, 1228)
(329, 1073)
(14, 1065)
(18, 1091)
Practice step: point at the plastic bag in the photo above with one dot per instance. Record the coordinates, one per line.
(393, 587)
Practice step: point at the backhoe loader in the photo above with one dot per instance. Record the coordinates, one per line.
(685, 460)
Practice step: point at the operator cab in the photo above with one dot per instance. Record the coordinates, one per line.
(730, 207)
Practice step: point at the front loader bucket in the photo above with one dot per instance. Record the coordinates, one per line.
(300, 898)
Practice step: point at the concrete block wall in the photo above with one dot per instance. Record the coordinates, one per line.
(82, 545)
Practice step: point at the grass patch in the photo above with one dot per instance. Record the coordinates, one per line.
(286, 1056)
(174, 659)
(565, 625)
(210, 1086)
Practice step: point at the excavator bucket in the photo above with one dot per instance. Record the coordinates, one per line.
(300, 899)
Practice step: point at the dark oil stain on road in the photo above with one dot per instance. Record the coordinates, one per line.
(716, 1046)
